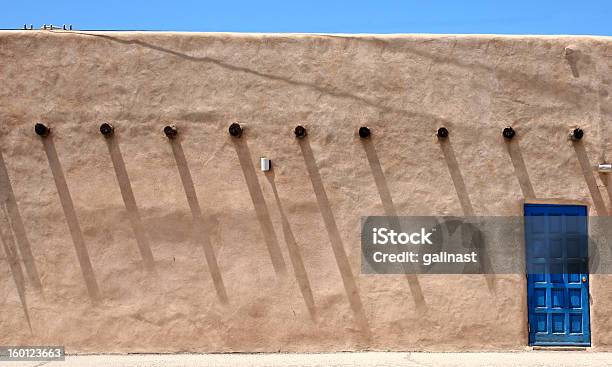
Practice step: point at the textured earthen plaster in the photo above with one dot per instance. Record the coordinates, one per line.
(282, 248)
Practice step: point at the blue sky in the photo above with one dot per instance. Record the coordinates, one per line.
(315, 16)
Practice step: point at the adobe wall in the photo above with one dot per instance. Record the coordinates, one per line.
(285, 244)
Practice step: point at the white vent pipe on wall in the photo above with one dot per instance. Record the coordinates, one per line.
(265, 164)
(604, 168)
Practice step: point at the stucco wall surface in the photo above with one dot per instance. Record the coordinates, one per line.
(139, 244)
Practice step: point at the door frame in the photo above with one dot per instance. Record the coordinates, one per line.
(556, 202)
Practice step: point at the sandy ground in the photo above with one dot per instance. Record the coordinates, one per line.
(532, 358)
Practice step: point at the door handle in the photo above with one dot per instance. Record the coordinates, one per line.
(584, 279)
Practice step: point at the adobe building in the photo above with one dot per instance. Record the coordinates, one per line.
(136, 242)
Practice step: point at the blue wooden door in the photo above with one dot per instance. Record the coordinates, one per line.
(556, 244)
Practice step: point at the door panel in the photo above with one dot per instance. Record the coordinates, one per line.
(556, 244)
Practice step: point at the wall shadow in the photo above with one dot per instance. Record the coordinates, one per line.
(464, 198)
(607, 180)
(130, 203)
(261, 208)
(201, 230)
(295, 255)
(342, 261)
(589, 177)
(520, 170)
(8, 243)
(456, 176)
(572, 57)
(71, 219)
(23, 244)
(387, 201)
